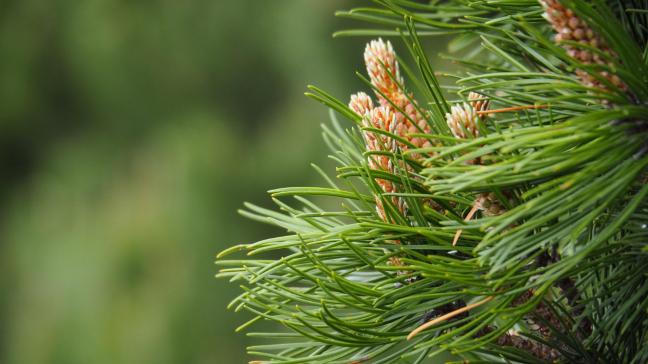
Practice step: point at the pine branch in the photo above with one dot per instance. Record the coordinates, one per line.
(497, 212)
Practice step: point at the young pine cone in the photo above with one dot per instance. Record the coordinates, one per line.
(361, 104)
(569, 26)
(384, 73)
(478, 102)
(383, 69)
(462, 118)
(462, 121)
(378, 118)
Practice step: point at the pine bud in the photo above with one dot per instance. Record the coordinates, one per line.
(385, 119)
(462, 121)
(398, 113)
(380, 118)
(406, 128)
(478, 102)
(569, 26)
(462, 118)
(383, 69)
(361, 104)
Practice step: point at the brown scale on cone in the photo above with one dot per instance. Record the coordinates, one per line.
(569, 26)
(535, 348)
(489, 204)
(514, 339)
(535, 320)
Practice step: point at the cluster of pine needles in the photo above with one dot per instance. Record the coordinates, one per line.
(497, 212)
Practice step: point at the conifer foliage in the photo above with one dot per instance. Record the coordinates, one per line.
(498, 212)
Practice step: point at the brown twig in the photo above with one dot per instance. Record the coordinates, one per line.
(514, 108)
(448, 316)
(468, 217)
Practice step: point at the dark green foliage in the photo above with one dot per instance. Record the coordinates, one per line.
(564, 266)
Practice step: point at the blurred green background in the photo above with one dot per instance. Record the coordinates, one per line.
(130, 133)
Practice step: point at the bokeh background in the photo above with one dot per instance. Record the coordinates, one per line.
(130, 133)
